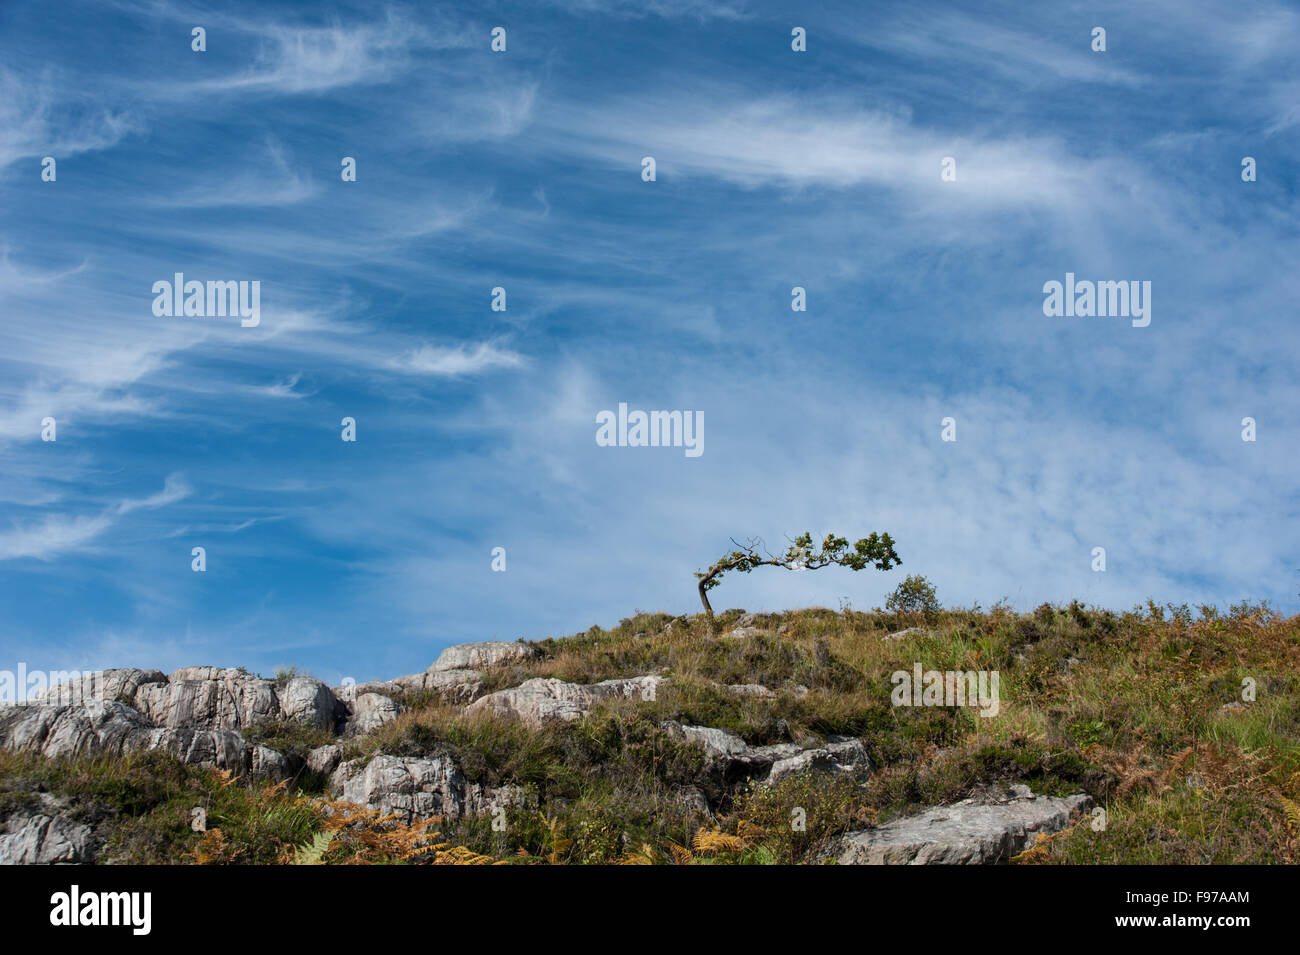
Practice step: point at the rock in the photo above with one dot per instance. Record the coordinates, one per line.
(747, 620)
(87, 729)
(749, 689)
(39, 839)
(715, 742)
(111, 729)
(538, 700)
(104, 686)
(982, 830)
(227, 699)
(304, 700)
(480, 656)
(738, 761)
(904, 634)
(838, 757)
(457, 686)
(371, 711)
(740, 633)
(694, 799)
(416, 788)
(324, 759)
(224, 749)
(269, 763)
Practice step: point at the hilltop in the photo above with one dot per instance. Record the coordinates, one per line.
(1156, 736)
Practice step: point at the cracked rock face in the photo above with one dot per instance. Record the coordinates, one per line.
(218, 698)
(982, 830)
(39, 839)
(480, 656)
(770, 764)
(415, 788)
(538, 700)
(460, 686)
(371, 711)
(112, 729)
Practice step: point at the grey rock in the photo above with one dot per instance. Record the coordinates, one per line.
(371, 711)
(459, 686)
(741, 633)
(104, 686)
(415, 788)
(539, 700)
(324, 759)
(738, 760)
(846, 757)
(985, 829)
(480, 656)
(228, 699)
(749, 689)
(904, 634)
(39, 839)
(111, 729)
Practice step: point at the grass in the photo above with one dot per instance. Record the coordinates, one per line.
(1128, 707)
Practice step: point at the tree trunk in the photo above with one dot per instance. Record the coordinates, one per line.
(708, 608)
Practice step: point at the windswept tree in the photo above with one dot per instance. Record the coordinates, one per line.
(875, 551)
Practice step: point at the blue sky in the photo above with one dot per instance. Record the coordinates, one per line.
(522, 169)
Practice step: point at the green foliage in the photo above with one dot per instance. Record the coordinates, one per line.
(914, 595)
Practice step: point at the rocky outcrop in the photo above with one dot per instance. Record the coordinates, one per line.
(46, 839)
(415, 788)
(103, 686)
(982, 830)
(112, 729)
(369, 711)
(737, 760)
(452, 686)
(481, 656)
(217, 698)
(539, 700)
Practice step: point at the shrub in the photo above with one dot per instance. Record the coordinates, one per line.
(913, 595)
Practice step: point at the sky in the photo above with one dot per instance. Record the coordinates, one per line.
(522, 169)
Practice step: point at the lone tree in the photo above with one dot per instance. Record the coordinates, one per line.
(876, 550)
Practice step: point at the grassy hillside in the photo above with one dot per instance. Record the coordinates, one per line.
(1142, 710)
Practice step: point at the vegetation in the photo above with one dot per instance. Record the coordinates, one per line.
(914, 595)
(1149, 711)
(876, 550)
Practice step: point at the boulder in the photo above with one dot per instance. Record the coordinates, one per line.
(480, 656)
(324, 759)
(846, 757)
(904, 634)
(987, 828)
(457, 686)
(539, 700)
(369, 711)
(39, 839)
(415, 788)
(738, 761)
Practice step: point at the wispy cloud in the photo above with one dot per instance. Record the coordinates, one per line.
(59, 534)
(451, 361)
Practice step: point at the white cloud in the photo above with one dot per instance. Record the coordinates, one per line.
(457, 360)
(58, 534)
